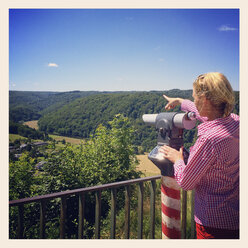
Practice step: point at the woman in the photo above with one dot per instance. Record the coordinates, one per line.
(212, 169)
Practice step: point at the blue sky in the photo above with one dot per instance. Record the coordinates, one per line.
(120, 49)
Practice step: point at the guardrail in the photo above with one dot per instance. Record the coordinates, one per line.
(98, 189)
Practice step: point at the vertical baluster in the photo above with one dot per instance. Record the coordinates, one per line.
(127, 212)
(81, 216)
(184, 214)
(152, 209)
(42, 218)
(20, 221)
(193, 231)
(98, 214)
(113, 213)
(140, 211)
(62, 217)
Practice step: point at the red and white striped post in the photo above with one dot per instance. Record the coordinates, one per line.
(170, 208)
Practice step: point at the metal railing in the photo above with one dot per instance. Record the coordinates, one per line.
(98, 189)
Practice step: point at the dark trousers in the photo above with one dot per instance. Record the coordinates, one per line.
(203, 232)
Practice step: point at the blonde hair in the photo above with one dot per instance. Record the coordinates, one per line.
(217, 89)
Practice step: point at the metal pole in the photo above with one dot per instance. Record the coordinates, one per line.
(140, 211)
(98, 214)
(170, 208)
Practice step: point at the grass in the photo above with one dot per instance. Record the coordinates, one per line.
(13, 137)
(67, 139)
(34, 124)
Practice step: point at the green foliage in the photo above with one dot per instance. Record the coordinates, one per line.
(106, 157)
(22, 178)
(23, 183)
(236, 107)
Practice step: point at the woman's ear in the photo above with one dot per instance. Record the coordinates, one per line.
(204, 100)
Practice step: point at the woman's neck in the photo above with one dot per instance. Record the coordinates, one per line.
(213, 114)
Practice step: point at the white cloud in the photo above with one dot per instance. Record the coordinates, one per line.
(52, 65)
(226, 28)
(161, 60)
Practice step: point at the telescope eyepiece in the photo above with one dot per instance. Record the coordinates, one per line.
(191, 116)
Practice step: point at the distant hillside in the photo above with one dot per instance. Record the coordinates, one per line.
(81, 117)
(78, 114)
(31, 105)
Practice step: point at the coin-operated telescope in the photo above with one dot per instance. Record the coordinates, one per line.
(169, 126)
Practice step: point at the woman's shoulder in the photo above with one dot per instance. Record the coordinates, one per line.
(235, 117)
(221, 129)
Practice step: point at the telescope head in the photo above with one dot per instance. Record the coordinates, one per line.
(169, 126)
(178, 120)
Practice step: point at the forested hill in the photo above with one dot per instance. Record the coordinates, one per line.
(78, 114)
(83, 115)
(31, 105)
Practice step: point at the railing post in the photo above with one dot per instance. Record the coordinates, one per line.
(140, 211)
(62, 217)
(152, 209)
(98, 214)
(127, 212)
(193, 231)
(184, 214)
(113, 213)
(42, 218)
(20, 221)
(81, 216)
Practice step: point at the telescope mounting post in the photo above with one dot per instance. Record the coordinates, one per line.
(170, 128)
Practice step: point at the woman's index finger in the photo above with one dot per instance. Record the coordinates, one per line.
(166, 97)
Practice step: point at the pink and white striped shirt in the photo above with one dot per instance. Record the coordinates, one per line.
(213, 171)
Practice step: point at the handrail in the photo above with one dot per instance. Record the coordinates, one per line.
(81, 193)
(98, 189)
(82, 190)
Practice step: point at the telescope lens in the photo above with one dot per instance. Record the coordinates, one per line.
(191, 116)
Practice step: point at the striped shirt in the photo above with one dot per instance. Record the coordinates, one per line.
(213, 171)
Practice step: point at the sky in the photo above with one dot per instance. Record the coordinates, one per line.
(120, 49)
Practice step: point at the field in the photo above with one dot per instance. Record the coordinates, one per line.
(146, 166)
(13, 137)
(32, 124)
(73, 141)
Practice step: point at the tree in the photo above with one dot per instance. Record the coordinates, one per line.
(107, 156)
